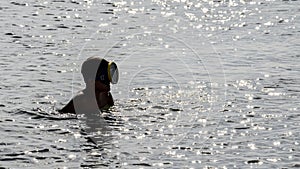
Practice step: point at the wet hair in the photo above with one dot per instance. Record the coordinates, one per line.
(95, 68)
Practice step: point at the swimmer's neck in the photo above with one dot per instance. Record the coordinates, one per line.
(89, 90)
(95, 88)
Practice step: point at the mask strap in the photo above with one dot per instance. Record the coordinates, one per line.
(108, 71)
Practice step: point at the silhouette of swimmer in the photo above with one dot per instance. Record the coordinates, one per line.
(97, 73)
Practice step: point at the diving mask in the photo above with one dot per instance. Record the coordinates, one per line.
(108, 73)
(113, 72)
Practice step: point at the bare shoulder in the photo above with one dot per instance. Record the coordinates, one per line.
(79, 95)
(70, 106)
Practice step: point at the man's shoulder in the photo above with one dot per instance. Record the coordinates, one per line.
(79, 95)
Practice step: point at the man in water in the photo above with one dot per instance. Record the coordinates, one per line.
(97, 74)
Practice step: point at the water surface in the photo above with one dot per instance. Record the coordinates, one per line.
(204, 84)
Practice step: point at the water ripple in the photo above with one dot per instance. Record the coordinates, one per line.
(175, 116)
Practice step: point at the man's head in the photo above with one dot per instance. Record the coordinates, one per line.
(95, 69)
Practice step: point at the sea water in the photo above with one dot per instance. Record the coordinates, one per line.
(203, 84)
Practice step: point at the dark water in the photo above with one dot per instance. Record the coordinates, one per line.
(204, 84)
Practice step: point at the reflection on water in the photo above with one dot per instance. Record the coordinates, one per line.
(204, 84)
